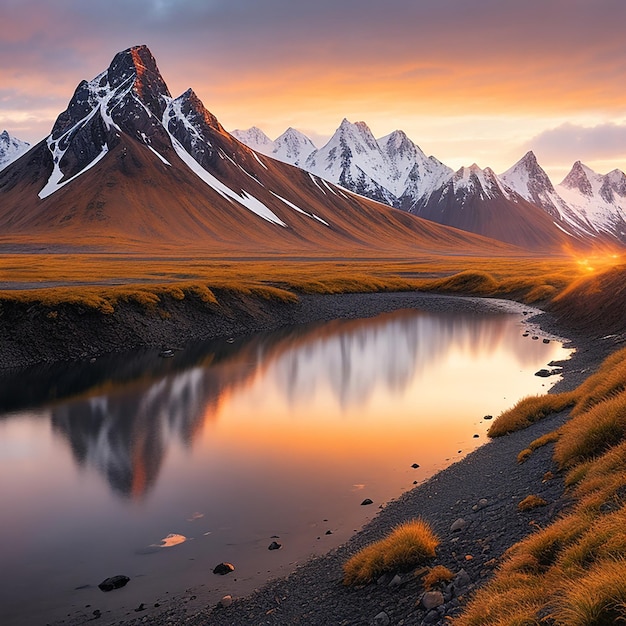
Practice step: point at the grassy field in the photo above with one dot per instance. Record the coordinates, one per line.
(100, 280)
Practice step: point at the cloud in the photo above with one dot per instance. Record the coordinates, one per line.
(570, 142)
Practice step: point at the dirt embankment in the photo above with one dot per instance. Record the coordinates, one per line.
(32, 333)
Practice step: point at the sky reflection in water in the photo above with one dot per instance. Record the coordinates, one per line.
(226, 445)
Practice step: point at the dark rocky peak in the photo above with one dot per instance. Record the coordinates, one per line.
(137, 65)
(132, 76)
(189, 122)
(194, 110)
(578, 179)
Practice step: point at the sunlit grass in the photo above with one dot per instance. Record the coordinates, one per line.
(437, 576)
(573, 572)
(530, 410)
(408, 545)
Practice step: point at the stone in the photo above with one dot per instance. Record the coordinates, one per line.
(482, 503)
(226, 601)
(329, 532)
(431, 617)
(224, 568)
(396, 581)
(488, 417)
(462, 580)
(415, 466)
(366, 502)
(543, 373)
(546, 340)
(432, 599)
(141, 607)
(114, 582)
(382, 619)
(459, 525)
(476, 436)
(274, 546)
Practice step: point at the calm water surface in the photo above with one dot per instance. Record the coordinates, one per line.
(162, 468)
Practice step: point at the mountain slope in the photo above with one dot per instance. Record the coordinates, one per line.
(477, 201)
(126, 165)
(11, 148)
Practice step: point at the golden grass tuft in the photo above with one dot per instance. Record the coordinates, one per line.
(594, 598)
(544, 440)
(592, 433)
(437, 576)
(408, 545)
(470, 281)
(608, 382)
(530, 410)
(531, 502)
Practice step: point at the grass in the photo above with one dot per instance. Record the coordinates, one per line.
(407, 546)
(531, 502)
(573, 572)
(592, 433)
(437, 576)
(530, 410)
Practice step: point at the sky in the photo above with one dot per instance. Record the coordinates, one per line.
(469, 81)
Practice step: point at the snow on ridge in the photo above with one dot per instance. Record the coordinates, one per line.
(244, 199)
(299, 210)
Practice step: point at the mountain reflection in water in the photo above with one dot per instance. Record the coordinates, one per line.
(161, 468)
(122, 426)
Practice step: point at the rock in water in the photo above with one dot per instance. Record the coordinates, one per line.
(274, 546)
(224, 568)
(114, 582)
(366, 502)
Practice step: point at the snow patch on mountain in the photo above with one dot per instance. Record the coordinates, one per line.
(256, 139)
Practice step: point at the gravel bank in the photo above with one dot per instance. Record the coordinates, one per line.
(483, 490)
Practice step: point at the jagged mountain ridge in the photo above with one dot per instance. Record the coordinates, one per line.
(126, 164)
(11, 148)
(394, 170)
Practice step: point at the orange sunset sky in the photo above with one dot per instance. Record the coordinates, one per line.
(481, 81)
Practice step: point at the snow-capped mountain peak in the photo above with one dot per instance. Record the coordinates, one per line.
(254, 138)
(11, 148)
(293, 147)
(579, 178)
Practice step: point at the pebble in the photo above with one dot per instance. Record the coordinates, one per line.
(223, 568)
(382, 619)
(459, 525)
(274, 546)
(366, 502)
(432, 599)
(226, 601)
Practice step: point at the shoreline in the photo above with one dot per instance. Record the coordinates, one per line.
(313, 593)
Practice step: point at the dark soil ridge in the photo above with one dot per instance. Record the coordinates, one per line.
(35, 333)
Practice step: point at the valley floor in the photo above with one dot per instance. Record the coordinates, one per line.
(483, 490)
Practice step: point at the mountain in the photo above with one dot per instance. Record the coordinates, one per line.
(256, 139)
(395, 171)
(477, 201)
(392, 169)
(11, 148)
(293, 147)
(129, 166)
(585, 202)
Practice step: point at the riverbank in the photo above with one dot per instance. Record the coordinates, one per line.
(483, 490)
(33, 334)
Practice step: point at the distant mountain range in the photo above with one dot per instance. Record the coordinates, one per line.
(129, 166)
(394, 170)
